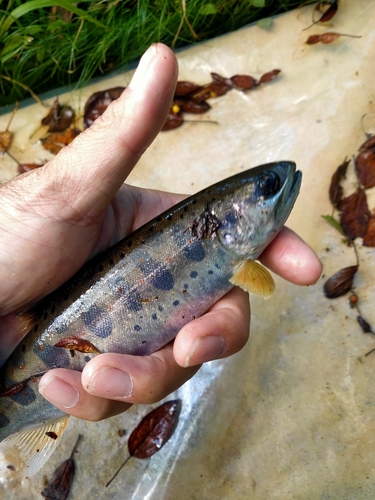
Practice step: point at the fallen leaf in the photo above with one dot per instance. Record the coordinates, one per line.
(154, 430)
(365, 168)
(327, 15)
(355, 214)
(335, 189)
(57, 140)
(268, 77)
(59, 117)
(81, 345)
(190, 106)
(211, 90)
(26, 167)
(6, 135)
(366, 328)
(369, 144)
(328, 37)
(243, 82)
(369, 237)
(340, 283)
(98, 102)
(58, 487)
(183, 88)
(173, 121)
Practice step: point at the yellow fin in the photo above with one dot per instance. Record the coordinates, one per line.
(36, 445)
(253, 278)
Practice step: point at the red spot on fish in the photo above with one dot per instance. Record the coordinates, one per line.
(22, 367)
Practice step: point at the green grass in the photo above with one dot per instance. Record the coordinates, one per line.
(42, 48)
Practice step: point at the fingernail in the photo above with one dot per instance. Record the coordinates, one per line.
(111, 383)
(205, 349)
(143, 66)
(59, 393)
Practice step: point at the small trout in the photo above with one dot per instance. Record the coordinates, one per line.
(137, 295)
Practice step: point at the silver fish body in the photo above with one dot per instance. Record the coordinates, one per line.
(136, 296)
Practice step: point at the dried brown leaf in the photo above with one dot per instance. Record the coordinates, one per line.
(268, 77)
(369, 144)
(81, 345)
(58, 488)
(154, 430)
(57, 140)
(98, 102)
(183, 88)
(173, 121)
(243, 82)
(355, 214)
(335, 188)
(340, 283)
(190, 106)
(369, 237)
(366, 328)
(211, 90)
(26, 167)
(5, 140)
(59, 117)
(365, 167)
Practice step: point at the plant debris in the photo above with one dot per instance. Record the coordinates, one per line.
(58, 487)
(57, 140)
(340, 283)
(153, 431)
(356, 221)
(6, 136)
(98, 103)
(59, 117)
(327, 14)
(328, 37)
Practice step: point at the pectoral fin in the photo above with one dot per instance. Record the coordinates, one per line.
(37, 445)
(253, 278)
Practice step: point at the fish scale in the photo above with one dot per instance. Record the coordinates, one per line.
(136, 296)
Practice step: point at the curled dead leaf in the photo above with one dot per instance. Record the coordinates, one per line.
(366, 328)
(340, 283)
(59, 117)
(355, 214)
(335, 189)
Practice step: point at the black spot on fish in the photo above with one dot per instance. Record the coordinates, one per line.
(194, 201)
(154, 316)
(4, 421)
(159, 275)
(129, 243)
(176, 302)
(158, 219)
(195, 252)
(111, 261)
(210, 271)
(36, 327)
(87, 359)
(23, 347)
(217, 266)
(100, 268)
(193, 274)
(122, 255)
(130, 297)
(66, 296)
(160, 308)
(45, 315)
(52, 357)
(24, 397)
(169, 217)
(53, 308)
(185, 209)
(181, 216)
(151, 228)
(98, 321)
(137, 328)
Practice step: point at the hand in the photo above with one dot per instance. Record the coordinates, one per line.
(55, 218)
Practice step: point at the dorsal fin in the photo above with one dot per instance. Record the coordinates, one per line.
(37, 445)
(253, 278)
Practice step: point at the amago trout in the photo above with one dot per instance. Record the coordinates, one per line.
(136, 296)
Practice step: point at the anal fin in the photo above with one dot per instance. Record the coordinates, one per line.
(253, 278)
(36, 445)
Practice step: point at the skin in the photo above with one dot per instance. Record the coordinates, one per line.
(55, 218)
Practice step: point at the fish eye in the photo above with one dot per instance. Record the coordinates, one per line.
(268, 185)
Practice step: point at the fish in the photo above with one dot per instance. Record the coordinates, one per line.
(135, 297)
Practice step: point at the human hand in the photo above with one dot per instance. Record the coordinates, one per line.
(55, 218)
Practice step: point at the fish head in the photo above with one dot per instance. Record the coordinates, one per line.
(255, 206)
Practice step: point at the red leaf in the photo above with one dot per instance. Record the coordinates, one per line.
(365, 167)
(369, 237)
(340, 283)
(335, 188)
(355, 214)
(154, 430)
